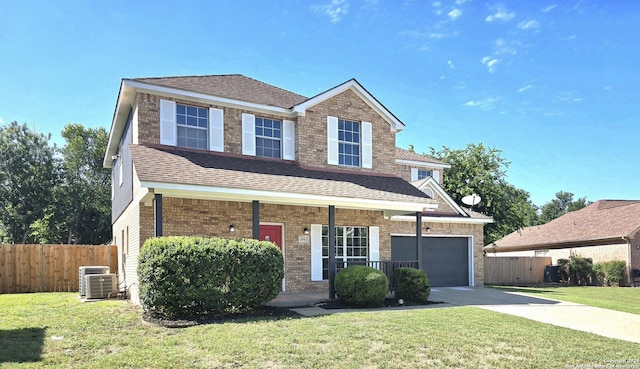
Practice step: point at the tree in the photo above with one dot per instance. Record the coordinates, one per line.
(482, 170)
(83, 199)
(562, 204)
(28, 174)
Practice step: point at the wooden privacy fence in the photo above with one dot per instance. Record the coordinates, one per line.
(50, 268)
(515, 270)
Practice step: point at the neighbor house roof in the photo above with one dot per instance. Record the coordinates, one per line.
(227, 174)
(403, 155)
(233, 86)
(603, 222)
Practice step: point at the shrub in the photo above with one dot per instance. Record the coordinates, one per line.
(611, 272)
(191, 276)
(576, 270)
(412, 285)
(361, 285)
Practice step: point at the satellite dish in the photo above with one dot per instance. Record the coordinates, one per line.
(471, 200)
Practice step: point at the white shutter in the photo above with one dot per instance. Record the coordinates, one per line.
(316, 252)
(248, 134)
(332, 140)
(367, 152)
(374, 244)
(288, 140)
(414, 174)
(436, 175)
(216, 130)
(168, 130)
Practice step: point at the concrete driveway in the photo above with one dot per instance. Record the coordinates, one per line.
(603, 322)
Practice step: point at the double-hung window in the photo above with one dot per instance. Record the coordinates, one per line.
(348, 143)
(424, 173)
(352, 245)
(268, 137)
(192, 123)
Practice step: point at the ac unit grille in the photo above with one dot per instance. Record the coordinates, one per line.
(99, 286)
(86, 270)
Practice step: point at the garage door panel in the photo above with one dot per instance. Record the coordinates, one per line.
(444, 259)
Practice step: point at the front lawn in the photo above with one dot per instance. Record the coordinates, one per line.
(625, 299)
(57, 330)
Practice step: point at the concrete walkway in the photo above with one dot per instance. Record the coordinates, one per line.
(603, 322)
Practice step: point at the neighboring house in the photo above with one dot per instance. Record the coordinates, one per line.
(230, 156)
(605, 230)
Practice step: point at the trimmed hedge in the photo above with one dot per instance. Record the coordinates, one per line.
(363, 286)
(192, 276)
(611, 272)
(412, 285)
(576, 270)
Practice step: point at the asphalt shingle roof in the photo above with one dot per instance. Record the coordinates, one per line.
(233, 86)
(155, 163)
(403, 154)
(603, 219)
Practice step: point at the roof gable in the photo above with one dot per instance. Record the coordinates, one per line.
(355, 86)
(603, 220)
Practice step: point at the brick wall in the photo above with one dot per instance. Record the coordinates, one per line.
(450, 229)
(190, 217)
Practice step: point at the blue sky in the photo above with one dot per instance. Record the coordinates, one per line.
(553, 84)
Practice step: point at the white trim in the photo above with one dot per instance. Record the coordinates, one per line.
(248, 134)
(168, 126)
(332, 141)
(288, 140)
(244, 195)
(284, 260)
(316, 252)
(367, 147)
(396, 125)
(443, 194)
(216, 130)
(134, 126)
(374, 243)
(470, 254)
(414, 174)
(422, 164)
(436, 175)
(426, 218)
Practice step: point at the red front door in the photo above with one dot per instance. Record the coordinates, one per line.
(272, 233)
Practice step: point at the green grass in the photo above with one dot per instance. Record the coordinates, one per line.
(625, 299)
(111, 334)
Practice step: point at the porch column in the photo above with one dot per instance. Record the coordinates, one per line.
(256, 219)
(332, 251)
(157, 198)
(419, 238)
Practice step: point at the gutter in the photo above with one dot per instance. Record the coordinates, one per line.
(617, 240)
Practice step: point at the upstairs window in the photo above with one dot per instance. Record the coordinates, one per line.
(424, 173)
(191, 125)
(268, 137)
(348, 143)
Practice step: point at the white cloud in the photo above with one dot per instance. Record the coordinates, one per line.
(460, 2)
(436, 4)
(549, 8)
(501, 14)
(525, 88)
(455, 13)
(503, 48)
(334, 10)
(530, 24)
(490, 63)
(486, 103)
(450, 64)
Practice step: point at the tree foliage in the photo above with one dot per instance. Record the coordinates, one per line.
(562, 204)
(482, 170)
(51, 195)
(28, 175)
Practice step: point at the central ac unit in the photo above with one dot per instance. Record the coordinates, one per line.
(86, 270)
(99, 286)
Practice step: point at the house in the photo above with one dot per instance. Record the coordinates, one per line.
(605, 230)
(230, 156)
